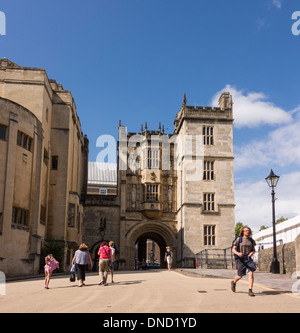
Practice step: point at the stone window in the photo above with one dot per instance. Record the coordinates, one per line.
(209, 235)
(20, 216)
(71, 215)
(54, 162)
(46, 157)
(3, 132)
(208, 170)
(24, 141)
(43, 215)
(208, 202)
(102, 191)
(151, 192)
(208, 135)
(150, 158)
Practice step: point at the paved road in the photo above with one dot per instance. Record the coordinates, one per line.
(155, 291)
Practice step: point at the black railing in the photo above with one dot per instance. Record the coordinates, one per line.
(215, 258)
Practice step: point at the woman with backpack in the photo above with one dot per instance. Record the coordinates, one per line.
(243, 249)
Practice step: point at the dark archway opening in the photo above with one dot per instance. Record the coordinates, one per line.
(143, 252)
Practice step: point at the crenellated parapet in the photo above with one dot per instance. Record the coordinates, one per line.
(221, 113)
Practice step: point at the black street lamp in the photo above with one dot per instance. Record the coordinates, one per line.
(272, 181)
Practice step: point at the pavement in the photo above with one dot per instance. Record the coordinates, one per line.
(158, 291)
(282, 282)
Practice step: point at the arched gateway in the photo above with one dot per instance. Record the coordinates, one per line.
(176, 189)
(158, 231)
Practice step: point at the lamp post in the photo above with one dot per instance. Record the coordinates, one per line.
(272, 181)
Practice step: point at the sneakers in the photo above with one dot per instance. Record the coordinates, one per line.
(233, 285)
(250, 292)
(103, 283)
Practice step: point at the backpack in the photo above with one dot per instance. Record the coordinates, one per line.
(237, 246)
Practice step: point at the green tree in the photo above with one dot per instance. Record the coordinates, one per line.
(281, 219)
(263, 227)
(238, 227)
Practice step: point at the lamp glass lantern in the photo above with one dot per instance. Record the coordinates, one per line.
(272, 179)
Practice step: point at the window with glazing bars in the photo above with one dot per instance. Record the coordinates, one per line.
(20, 216)
(208, 202)
(208, 170)
(71, 215)
(208, 135)
(150, 158)
(209, 235)
(151, 192)
(24, 141)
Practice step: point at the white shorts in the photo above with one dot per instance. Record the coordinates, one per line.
(169, 260)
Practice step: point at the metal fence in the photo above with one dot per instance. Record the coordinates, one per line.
(215, 258)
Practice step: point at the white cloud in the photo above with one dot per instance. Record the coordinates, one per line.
(260, 23)
(252, 109)
(277, 3)
(278, 148)
(281, 148)
(254, 206)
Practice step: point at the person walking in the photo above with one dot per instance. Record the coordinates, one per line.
(104, 258)
(50, 265)
(81, 259)
(169, 257)
(112, 260)
(243, 249)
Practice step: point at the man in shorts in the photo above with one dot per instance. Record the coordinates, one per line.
(244, 248)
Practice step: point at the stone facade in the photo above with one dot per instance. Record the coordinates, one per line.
(212, 183)
(101, 222)
(175, 189)
(43, 171)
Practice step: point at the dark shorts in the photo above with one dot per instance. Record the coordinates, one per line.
(245, 263)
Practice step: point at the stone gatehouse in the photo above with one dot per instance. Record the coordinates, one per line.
(175, 189)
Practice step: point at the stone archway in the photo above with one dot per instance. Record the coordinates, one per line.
(142, 247)
(160, 232)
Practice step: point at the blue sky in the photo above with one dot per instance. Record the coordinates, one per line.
(132, 60)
